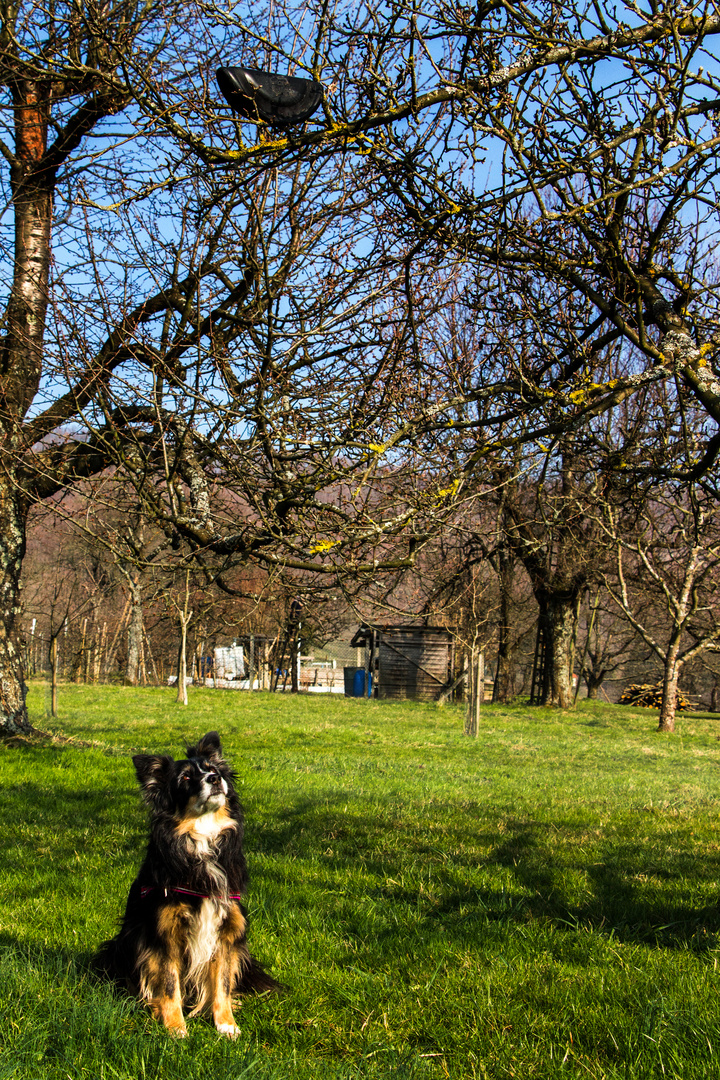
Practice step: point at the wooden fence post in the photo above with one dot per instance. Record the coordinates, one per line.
(476, 693)
(251, 663)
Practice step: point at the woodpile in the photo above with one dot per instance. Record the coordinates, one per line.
(649, 696)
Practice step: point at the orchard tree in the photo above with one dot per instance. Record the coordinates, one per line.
(549, 524)
(70, 75)
(141, 246)
(609, 646)
(672, 557)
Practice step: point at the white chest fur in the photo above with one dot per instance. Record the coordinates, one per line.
(201, 946)
(203, 934)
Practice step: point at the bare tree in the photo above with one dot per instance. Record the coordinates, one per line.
(66, 71)
(184, 614)
(161, 258)
(610, 643)
(674, 557)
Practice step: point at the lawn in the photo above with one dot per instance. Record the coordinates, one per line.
(539, 902)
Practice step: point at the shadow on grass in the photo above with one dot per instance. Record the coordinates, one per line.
(528, 870)
(629, 894)
(68, 959)
(630, 891)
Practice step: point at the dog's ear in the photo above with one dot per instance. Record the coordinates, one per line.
(208, 747)
(153, 773)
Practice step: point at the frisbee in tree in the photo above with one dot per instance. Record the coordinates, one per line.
(279, 100)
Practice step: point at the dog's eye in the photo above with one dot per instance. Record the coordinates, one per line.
(184, 777)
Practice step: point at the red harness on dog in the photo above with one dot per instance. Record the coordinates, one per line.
(145, 889)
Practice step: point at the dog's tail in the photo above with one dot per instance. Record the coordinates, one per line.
(110, 962)
(254, 979)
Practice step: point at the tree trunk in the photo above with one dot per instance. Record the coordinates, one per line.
(671, 678)
(593, 683)
(21, 354)
(135, 634)
(100, 649)
(504, 686)
(115, 643)
(558, 615)
(80, 665)
(506, 677)
(53, 674)
(542, 680)
(294, 634)
(13, 711)
(185, 617)
(476, 696)
(563, 620)
(157, 675)
(251, 663)
(21, 351)
(182, 697)
(294, 664)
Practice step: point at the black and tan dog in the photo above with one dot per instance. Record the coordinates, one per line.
(183, 935)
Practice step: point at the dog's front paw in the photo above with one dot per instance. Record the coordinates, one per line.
(231, 1030)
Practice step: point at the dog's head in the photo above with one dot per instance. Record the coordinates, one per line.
(199, 784)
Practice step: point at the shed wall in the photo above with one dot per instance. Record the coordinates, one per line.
(414, 663)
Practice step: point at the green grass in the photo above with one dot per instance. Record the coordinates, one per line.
(539, 902)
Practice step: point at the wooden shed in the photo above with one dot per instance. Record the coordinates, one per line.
(409, 662)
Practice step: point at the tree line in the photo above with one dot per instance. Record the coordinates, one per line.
(562, 583)
(480, 281)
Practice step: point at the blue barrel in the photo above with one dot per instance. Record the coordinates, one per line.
(359, 683)
(349, 674)
(356, 680)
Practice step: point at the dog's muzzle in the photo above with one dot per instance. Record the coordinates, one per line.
(214, 789)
